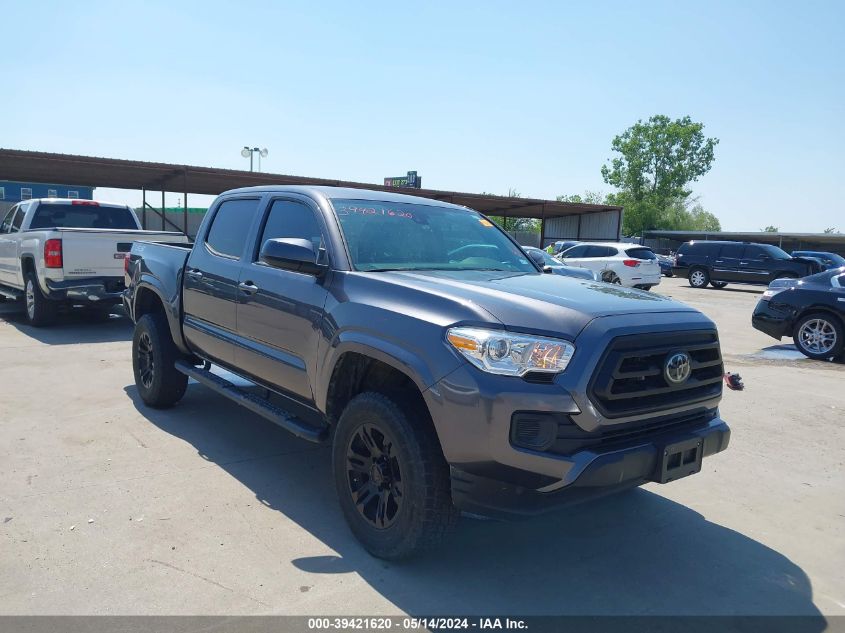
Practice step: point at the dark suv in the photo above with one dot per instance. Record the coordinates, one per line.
(717, 263)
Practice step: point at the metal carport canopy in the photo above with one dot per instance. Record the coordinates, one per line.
(93, 171)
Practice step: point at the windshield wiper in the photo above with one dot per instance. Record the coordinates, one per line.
(386, 270)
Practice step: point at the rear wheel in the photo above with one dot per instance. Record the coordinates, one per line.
(819, 336)
(611, 278)
(391, 477)
(154, 356)
(719, 284)
(699, 278)
(39, 309)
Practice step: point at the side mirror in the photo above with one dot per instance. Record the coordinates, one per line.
(292, 254)
(547, 269)
(537, 258)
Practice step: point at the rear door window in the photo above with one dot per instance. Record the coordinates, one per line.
(641, 253)
(731, 251)
(17, 221)
(230, 227)
(600, 251)
(575, 252)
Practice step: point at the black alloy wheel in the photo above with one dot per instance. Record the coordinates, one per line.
(374, 474)
(145, 358)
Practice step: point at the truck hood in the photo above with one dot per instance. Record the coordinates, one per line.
(535, 302)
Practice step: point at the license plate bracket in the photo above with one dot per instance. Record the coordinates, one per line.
(680, 459)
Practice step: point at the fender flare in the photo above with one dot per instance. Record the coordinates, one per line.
(380, 349)
(29, 257)
(171, 308)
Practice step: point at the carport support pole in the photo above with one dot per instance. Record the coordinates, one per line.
(185, 189)
(543, 226)
(144, 208)
(163, 227)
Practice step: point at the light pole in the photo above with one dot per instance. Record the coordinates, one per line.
(247, 152)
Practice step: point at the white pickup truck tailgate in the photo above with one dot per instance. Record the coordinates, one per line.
(100, 252)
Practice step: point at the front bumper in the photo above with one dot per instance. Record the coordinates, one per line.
(593, 475)
(92, 290)
(772, 321)
(593, 454)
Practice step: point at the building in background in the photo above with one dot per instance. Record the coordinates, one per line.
(13, 192)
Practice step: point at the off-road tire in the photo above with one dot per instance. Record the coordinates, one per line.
(154, 356)
(699, 277)
(426, 513)
(39, 310)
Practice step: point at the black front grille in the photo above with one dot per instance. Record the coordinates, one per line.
(630, 376)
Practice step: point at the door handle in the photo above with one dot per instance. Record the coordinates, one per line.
(195, 275)
(248, 287)
(743, 263)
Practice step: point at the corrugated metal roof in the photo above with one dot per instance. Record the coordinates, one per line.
(27, 166)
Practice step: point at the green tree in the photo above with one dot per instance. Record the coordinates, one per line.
(680, 216)
(514, 224)
(658, 159)
(702, 220)
(771, 229)
(589, 197)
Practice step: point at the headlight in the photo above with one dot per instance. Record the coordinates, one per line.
(500, 352)
(771, 292)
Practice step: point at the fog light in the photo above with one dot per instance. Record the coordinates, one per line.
(536, 431)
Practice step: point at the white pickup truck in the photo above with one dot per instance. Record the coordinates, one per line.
(56, 252)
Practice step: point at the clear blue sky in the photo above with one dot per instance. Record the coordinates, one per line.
(474, 96)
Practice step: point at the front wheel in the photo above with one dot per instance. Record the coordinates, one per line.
(719, 284)
(391, 477)
(154, 356)
(819, 336)
(39, 309)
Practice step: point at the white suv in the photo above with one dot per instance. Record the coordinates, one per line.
(629, 265)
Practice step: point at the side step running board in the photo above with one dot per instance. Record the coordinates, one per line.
(254, 403)
(10, 293)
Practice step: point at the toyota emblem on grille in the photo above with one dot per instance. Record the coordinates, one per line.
(677, 368)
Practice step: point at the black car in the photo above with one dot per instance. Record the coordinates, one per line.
(717, 263)
(828, 260)
(666, 263)
(810, 310)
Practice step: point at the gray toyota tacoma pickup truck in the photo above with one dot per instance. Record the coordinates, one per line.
(447, 370)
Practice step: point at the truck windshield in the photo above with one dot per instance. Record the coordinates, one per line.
(385, 235)
(82, 217)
